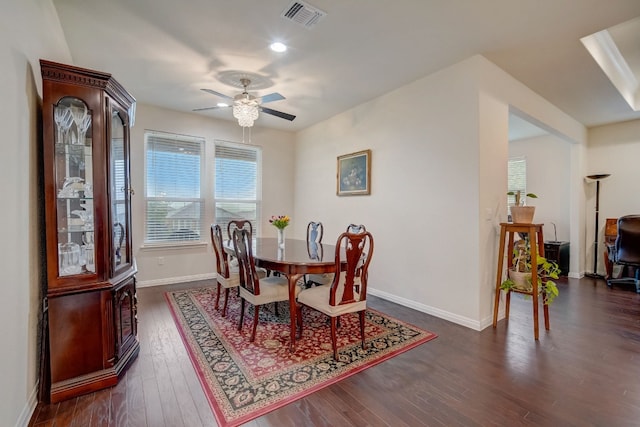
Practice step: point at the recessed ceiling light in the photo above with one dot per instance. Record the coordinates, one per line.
(278, 47)
(222, 104)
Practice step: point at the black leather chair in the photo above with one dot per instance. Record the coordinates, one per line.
(627, 248)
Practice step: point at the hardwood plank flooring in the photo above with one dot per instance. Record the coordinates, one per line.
(584, 372)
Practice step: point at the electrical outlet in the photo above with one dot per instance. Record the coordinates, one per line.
(160, 260)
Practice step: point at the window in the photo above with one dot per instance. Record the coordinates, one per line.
(237, 183)
(517, 178)
(172, 187)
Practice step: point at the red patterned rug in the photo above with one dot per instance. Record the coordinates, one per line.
(244, 380)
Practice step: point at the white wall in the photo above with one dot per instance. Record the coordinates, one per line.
(193, 262)
(548, 176)
(439, 151)
(29, 30)
(423, 202)
(613, 149)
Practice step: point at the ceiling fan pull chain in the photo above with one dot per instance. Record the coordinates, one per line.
(248, 132)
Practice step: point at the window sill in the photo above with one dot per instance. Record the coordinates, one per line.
(177, 245)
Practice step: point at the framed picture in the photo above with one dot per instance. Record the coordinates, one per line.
(354, 174)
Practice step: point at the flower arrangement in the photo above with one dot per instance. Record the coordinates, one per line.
(280, 221)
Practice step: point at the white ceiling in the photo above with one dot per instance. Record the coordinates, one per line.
(165, 51)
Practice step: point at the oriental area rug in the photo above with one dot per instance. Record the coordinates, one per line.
(244, 380)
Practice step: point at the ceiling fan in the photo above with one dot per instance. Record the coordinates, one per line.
(246, 106)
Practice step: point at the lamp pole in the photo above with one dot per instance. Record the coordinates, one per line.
(597, 178)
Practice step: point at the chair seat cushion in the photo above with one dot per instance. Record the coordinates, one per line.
(229, 282)
(234, 277)
(273, 288)
(320, 279)
(318, 298)
(327, 279)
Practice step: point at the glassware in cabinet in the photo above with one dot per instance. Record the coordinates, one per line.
(74, 181)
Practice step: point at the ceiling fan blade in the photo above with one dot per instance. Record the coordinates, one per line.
(210, 108)
(276, 113)
(213, 92)
(270, 98)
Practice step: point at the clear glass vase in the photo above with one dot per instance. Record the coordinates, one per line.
(281, 238)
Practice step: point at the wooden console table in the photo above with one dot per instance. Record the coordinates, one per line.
(536, 240)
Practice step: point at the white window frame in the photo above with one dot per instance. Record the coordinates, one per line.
(258, 190)
(176, 239)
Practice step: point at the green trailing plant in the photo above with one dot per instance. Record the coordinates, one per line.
(522, 263)
(519, 199)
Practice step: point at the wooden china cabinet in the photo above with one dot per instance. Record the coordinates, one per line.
(90, 305)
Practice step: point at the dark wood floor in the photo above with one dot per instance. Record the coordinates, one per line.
(584, 372)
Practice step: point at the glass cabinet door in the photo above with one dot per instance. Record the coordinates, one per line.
(74, 186)
(119, 192)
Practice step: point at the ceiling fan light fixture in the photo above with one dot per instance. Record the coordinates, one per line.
(246, 111)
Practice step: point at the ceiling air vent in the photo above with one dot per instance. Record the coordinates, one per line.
(303, 14)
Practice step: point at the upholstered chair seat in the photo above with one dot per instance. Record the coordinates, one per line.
(272, 289)
(318, 298)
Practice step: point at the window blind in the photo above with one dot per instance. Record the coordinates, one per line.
(172, 187)
(517, 178)
(236, 189)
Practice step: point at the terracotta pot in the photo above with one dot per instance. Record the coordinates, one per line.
(522, 280)
(522, 214)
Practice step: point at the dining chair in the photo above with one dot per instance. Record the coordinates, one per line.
(343, 296)
(315, 231)
(238, 223)
(257, 291)
(227, 275)
(356, 228)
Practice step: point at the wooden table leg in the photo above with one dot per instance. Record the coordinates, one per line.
(293, 280)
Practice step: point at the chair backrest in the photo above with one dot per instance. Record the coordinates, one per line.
(238, 223)
(628, 240)
(357, 249)
(249, 279)
(315, 230)
(356, 228)
(222, 261)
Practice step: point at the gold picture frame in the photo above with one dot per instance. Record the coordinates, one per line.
(354, 174)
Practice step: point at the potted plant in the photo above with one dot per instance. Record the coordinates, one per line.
(519, 275)
(521, 214)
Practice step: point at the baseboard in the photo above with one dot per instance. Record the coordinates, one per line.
(29, 408)
(460, 320)
(172, 280)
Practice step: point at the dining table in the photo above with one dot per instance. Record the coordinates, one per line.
(295, 259)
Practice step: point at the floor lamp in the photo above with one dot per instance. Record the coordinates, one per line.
(597, 178)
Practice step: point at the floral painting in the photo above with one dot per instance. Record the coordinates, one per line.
(354, 174)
